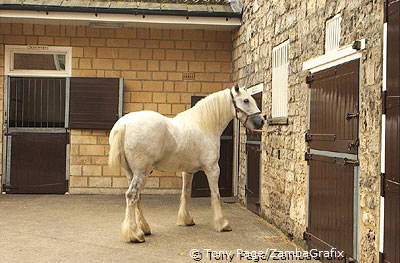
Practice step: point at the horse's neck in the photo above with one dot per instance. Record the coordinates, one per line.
(222, 120)
(224, 124)
(212, 115)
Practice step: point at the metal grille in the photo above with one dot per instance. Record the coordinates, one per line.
(332, 33)
(36, 102)
(188, 75)
(280, 71)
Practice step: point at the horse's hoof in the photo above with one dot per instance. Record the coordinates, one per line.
(132, 234)
(222, 225)
(187, 223)
(227, 228)
(146, 229)
(138, 240)
(190, 224)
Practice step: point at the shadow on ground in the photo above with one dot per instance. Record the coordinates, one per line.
(86, 228)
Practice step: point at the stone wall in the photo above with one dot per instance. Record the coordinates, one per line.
(152, 63)
(284, 172)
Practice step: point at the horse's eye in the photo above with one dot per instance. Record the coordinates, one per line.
(246, 100)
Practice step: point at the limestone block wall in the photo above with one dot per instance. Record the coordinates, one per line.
(284, 171)
(152, 63)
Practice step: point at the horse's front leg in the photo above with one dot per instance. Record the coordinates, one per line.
(131, 232)
(184, 218)
(220, 223)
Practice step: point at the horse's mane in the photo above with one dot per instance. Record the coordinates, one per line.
(211, 112)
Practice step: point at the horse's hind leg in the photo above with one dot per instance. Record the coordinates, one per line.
(220, 223)
(130, 229)
(141, 221)
(184, 218)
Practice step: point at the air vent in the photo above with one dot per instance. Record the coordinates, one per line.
(332, 33)
(188, 76)
(280, 73)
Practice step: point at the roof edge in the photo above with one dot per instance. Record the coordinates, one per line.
(133, 11)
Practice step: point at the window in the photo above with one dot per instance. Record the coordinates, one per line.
(280, 72)
(38, 61)
(332, 33)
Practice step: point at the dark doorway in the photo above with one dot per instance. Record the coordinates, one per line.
(200, 186)
(253, 149)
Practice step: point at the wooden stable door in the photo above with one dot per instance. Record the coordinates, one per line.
(36, 138)
(200, 186)
(37, 163)
(391, 176)
(333, 159)
(253, 149)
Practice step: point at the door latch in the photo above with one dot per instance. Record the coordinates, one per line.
(351, 162)
(350, 115)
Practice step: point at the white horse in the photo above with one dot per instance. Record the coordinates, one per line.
(146, 140)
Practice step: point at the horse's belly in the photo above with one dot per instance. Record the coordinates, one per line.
(177, 164)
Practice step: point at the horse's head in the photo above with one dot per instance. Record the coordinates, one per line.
(246, 109)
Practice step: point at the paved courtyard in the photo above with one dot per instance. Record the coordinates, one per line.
(86, 228)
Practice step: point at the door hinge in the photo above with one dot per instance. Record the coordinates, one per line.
(383, 184)
(307, 156)
(247, 190)
(309, 78)
(356, 45)
(385, 11)
(354, 145)
(306, 235)
(383, 97)
(308, 137)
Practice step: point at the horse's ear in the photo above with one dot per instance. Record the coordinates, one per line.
(237, 88)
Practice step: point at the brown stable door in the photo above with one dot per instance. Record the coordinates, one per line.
(332, 158)
(391, 176)
(253, 149)
(36, 138)
(37, 163)
(200, 186)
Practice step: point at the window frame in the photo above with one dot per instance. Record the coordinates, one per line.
(10, 50)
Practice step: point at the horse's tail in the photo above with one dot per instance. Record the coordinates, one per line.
(116, 156)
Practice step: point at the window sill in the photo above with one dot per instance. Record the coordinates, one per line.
(278, 121)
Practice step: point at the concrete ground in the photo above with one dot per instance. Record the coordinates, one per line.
(86, 228)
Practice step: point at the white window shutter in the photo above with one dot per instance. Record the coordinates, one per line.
(280, 73)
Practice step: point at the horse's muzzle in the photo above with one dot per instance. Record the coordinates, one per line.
(258, 122)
